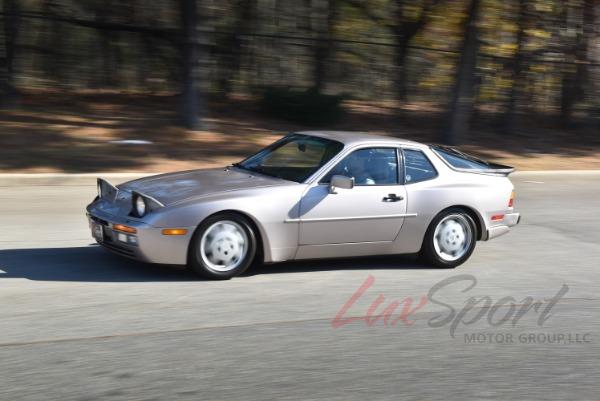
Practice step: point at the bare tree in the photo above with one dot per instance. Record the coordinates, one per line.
(106, 40)
(587, 33)
(461, 107)
(517, 70)
(404, 29)
(51, 40)
(579, 19)
(232, 48)
(190, 65)
(11, 11)
(328, 10)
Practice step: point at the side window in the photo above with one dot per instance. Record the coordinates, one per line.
(417, 167)
(372, 166)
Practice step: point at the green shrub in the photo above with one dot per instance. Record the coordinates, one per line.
(305, 107)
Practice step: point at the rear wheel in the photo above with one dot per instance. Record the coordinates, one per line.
(223, 246)
(450, 239)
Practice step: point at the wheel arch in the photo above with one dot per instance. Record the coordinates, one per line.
(479, 222)
(261, 244)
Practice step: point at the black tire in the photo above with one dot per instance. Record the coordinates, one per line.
(430, 255)
(195, 259)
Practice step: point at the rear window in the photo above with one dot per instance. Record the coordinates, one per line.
(458, 159)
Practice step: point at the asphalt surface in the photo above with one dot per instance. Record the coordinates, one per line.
(77, 323)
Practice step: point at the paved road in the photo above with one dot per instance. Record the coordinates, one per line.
(77, 323)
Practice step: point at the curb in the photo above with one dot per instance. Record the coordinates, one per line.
(553, 172)
(64, 179)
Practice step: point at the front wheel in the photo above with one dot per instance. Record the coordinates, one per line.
(223, 247)
(450, 239)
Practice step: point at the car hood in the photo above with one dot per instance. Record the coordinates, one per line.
(173, 188)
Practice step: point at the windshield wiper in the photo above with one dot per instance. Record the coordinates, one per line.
(256, 169)
(260, 170)
(240, 166)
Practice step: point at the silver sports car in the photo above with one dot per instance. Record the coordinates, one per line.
(310, 195)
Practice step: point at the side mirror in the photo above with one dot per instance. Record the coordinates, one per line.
(340, 181)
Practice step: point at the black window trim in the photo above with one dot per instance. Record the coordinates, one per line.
(287, 136)
(437, 174)
(492, 168)
(401, 175)
(399, 171)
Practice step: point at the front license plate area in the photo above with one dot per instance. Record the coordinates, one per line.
(98, 232)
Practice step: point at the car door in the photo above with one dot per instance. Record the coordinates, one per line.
(372, 211)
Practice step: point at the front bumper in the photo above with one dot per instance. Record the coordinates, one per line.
(150, 244)
(509, 220)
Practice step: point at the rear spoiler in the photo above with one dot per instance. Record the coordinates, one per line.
(493, 169)
(500, 170)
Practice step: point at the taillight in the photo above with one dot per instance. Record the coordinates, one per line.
(511, 202)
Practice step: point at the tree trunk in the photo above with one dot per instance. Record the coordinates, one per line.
(106, 70)
(8, 91)
(592, 29)
(234, 51)
(324, 45)
(404, 31)
(464, 90)
(190, 64)
(584, 71)
(400, 78)
(517, 70)
(400, 53)
(573, 82)
(106, 59)
(48, 41)
(567, 98)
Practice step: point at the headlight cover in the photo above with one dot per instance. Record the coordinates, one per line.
(140, 206)
(106, 190)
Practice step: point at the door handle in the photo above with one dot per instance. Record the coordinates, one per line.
(393, 198)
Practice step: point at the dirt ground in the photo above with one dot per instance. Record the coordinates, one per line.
(89, 132)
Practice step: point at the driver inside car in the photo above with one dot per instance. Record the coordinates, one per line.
(357, 168)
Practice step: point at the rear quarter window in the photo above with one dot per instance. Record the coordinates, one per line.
(417, 167)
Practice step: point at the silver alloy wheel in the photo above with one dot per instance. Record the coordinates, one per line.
(452, 237)
(223, 246)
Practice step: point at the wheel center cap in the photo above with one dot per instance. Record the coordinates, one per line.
(225, 248)
(452, 239)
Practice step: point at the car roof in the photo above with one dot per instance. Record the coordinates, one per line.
(357, 138)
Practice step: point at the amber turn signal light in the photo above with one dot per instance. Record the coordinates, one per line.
(174, 231)
(125, 229)
(511, 202)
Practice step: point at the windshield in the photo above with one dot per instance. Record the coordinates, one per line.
(295, 157)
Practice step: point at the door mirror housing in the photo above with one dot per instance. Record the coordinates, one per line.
(340, 181)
